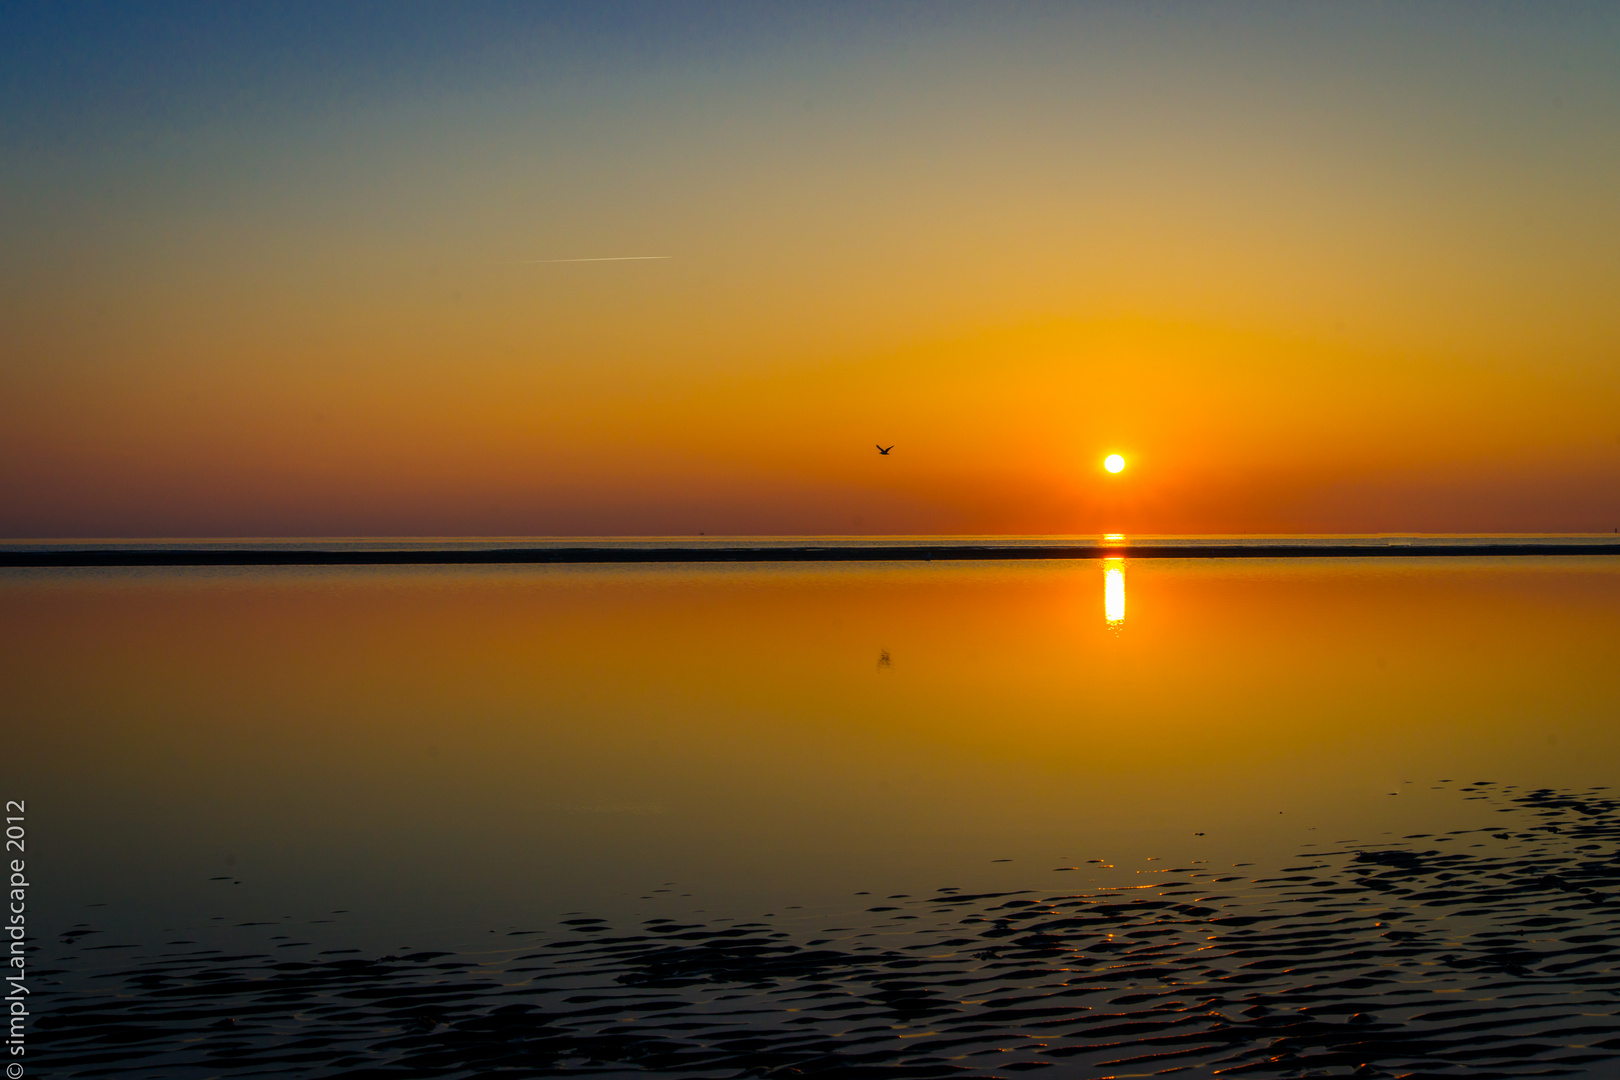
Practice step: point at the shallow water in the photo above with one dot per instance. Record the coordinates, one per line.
(1487, 958)
(276, 764)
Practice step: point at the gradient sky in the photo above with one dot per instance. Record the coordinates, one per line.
(269, 269)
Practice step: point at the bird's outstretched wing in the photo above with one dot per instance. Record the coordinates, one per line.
(885, 449)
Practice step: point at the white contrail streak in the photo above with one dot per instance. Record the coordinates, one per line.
(609, 258)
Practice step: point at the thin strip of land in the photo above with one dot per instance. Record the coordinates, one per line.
(182, 556)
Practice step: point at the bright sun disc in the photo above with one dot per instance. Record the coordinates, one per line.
(1113, 463)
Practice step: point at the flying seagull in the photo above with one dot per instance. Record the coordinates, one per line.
(884, 450)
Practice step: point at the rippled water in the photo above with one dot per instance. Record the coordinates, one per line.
(1085, 818)
(1490, 957)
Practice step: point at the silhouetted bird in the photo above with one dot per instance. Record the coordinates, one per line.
(884, 450)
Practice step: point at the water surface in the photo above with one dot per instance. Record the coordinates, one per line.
(410, 760)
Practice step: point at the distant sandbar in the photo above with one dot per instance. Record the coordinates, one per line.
(725, 553)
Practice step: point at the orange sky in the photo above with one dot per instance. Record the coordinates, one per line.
(1334, 270)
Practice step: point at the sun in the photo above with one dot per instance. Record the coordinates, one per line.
(1113, 463)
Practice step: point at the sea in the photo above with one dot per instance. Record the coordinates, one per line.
(1098, 814)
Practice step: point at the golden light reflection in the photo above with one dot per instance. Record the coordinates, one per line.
(507, 688)
(1114, 595)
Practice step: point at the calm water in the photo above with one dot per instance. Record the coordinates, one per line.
(279, 764)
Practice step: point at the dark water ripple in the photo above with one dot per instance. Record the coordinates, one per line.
(1480, 953)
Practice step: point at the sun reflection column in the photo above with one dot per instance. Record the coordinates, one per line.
(1114, 592)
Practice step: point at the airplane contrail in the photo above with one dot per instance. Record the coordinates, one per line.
(608, 258)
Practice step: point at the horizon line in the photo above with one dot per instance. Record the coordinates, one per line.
(265, 556)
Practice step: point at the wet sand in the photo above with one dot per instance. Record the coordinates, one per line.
(1483, 952)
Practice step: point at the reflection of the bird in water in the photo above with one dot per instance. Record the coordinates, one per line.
(1114, 594)
(883, 660)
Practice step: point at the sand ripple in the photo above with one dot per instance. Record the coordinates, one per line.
(1483, 953)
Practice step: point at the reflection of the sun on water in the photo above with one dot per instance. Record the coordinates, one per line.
(1114, 594)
